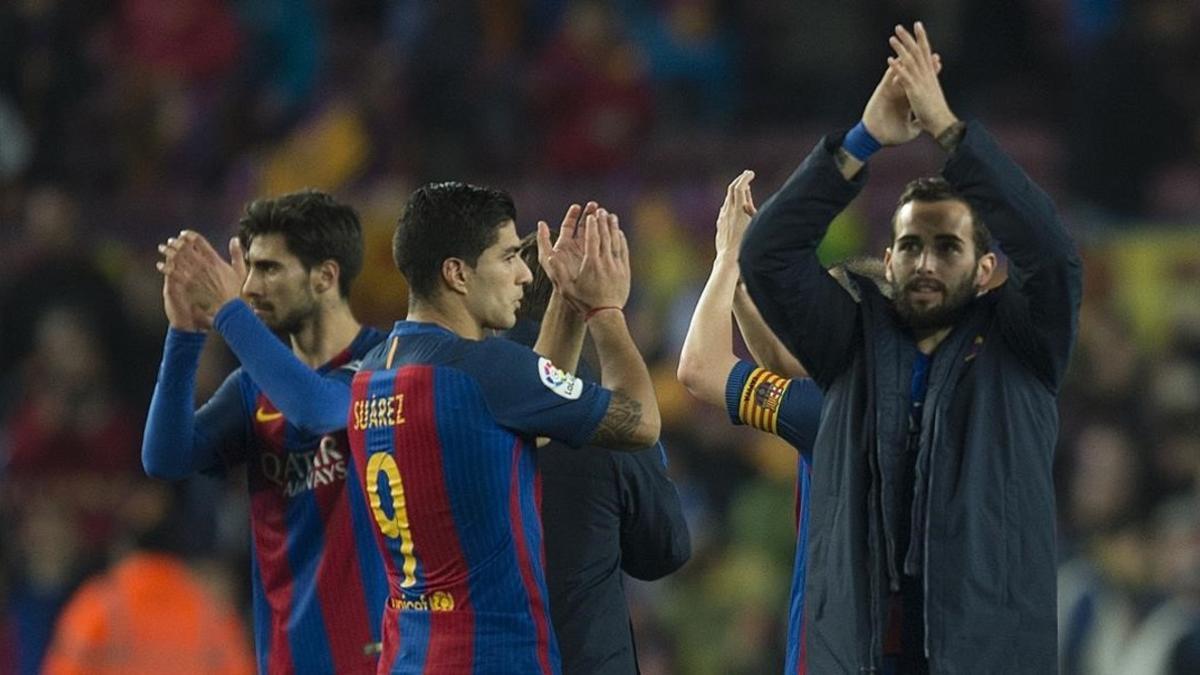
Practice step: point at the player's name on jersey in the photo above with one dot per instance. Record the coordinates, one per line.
(438, 601)
(379, 411)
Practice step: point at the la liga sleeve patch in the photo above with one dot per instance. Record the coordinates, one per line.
(558, 380)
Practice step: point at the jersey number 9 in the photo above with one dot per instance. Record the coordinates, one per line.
(394, 526)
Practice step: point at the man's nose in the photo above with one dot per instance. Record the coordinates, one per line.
(925, 263)
(250, 285)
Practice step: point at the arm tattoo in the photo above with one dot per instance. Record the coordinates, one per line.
(952, 136)
(622, 419)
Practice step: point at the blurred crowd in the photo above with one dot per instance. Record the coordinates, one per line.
(124, 121)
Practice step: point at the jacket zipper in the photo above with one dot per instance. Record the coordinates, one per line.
(874, 504)
(928, 510)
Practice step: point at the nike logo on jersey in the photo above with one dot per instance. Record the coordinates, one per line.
(264, 416)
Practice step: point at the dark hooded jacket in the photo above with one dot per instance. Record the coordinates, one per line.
(983, 515)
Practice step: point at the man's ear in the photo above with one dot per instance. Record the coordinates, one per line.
(985, 267)
(456, 274)
(325, 276)
(887, 264)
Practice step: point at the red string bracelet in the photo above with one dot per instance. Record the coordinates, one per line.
(592, 312)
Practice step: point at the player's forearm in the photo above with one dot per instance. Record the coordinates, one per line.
(707, 353)
(800, 212)
(797, 298)
(764, 345)
(632, 421)
(310, 401)
(1018, 212)
(561, 335)
(168, 449)
(655, 540)
(1045, 265)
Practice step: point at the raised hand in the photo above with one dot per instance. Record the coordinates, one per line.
(735, 214)
(604, 274)
(197, 280)
(888, 115)
(915, 69)
(563, 260)
(177, 270)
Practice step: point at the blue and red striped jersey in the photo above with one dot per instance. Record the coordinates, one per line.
(319, 585)
(790, 409)
(443, 431)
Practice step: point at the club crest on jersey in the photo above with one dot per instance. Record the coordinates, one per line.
(559, 381)
(438, 601)
(767, 396)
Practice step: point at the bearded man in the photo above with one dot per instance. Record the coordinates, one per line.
(932, 544)
(319, 586)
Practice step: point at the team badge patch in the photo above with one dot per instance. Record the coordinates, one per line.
(761, 397)
(767, 396)
(441, 601)
(559, 381)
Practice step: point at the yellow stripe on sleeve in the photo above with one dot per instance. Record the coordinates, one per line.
(758, 405)
(745, 404)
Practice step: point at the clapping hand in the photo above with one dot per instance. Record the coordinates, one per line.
(196, 280)
(735, 214)
(915, 70)
(563, 260)
(602, 276)
(889, 115)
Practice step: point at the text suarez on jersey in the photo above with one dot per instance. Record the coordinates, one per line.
(379, 411)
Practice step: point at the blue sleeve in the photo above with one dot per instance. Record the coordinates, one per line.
(311, 401)
(178, 442)
(529, 394)
(788, 408)
(800, 416)
(734, 385)
(224, 423)
(654, 535)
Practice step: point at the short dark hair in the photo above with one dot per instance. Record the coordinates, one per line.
(537, 292)
(447, 220)
(315, 227)
(938, 189)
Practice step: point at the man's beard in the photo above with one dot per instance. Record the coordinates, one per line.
(952, 308)
(293, 322)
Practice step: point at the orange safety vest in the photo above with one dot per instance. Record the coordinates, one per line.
(148, 614)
